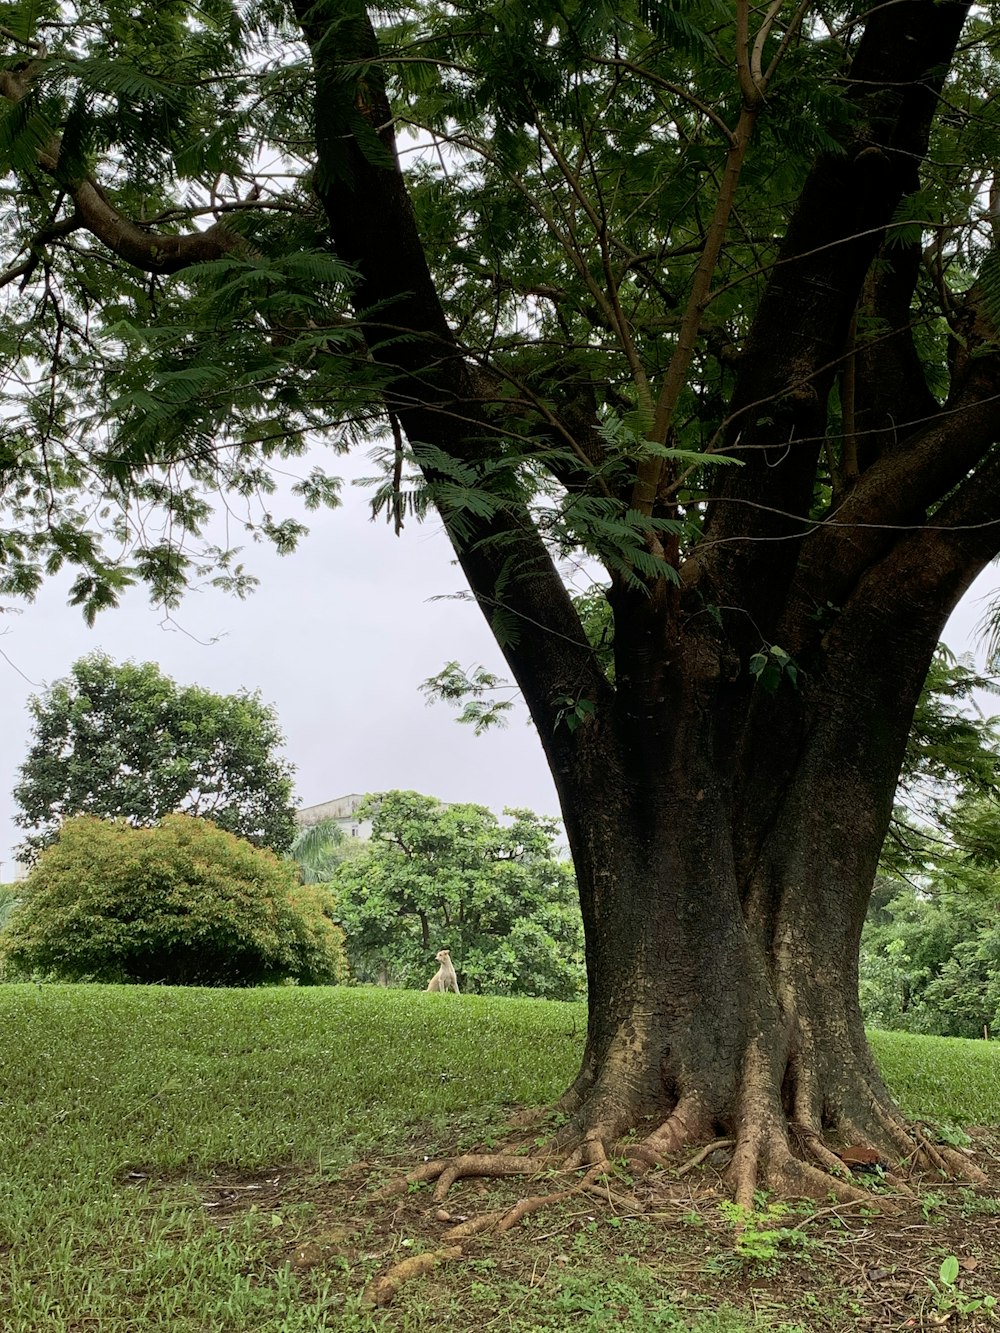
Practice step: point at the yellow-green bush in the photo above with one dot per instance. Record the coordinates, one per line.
(184, 903)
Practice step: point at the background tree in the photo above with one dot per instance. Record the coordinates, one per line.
(928, 950)
(453, 877)
(952, 755)
(706, 293)
(320, 848)
(9, 899)
(128, 742)
(183, 903)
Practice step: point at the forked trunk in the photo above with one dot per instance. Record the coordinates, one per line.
(725, 839)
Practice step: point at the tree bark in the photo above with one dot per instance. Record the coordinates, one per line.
(724, 897)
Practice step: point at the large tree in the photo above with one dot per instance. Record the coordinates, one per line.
(452, 876)
(704, 290)
(127, 742)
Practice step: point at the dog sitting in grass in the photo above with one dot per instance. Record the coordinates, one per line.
(444, 978)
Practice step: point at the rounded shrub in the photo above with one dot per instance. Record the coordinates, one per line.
(182, 903)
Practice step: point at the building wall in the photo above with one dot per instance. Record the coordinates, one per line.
(341, 810)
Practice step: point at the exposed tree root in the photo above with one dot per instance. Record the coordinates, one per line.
(488, 1164)
(919, 1153)
(531, 1116)
(447, 1170)
(791, 1176)
(524, 1207)
(789, 1152)
(791, 1158)
(382, 1290)
(429, 1171)
(687, 1123)
(505, 1219)
(743, 1172)
(715, 1146)
(812, 1142)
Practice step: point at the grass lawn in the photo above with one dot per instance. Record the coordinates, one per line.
(200, 1161)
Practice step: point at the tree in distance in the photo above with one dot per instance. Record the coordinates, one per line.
(452, 876)
(702, 296)
(930, 954)
(183, 903)
(952, 757)
(128, 742)
(930, 945)
(320, 848)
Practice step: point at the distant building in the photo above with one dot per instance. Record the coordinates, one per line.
(341, 811)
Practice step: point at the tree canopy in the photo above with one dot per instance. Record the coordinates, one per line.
(703, 295)
(434, 876)
(128, 742)
(183, 903)
(952, 759)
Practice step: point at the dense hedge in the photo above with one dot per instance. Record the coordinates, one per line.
(183, 903)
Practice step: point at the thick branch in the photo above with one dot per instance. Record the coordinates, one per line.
(800, 330)
(754, 82)
(931, 569)
(149, 251)
(859, 691)
(914, 473)
(430, 386)
(891, 389)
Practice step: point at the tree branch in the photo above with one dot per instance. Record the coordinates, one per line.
(800, 330)
(361, 188)
(142, 248)
(754, 82)
(916, 470)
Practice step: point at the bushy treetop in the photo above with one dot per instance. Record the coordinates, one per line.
(128, 742)
(184, 902)
(453, 876)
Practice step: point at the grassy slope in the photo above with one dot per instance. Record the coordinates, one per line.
(101, 1081)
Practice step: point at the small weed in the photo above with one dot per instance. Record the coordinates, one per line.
(946, 1132)
(948, 1298)
(931, 1204)
(973, 1204)
(760, 1241)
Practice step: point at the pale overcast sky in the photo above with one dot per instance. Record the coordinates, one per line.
(338, 637)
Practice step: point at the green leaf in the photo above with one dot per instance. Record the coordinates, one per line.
(949, 1270)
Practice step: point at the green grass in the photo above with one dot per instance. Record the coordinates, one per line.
(194, 1077)
(166, 1084)
(946, 1080)
(100, 1080)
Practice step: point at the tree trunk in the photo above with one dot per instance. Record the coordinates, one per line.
(721, 1006)
(724, 889)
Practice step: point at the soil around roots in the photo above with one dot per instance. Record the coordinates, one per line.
(667, 1236)
(881, 1162)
